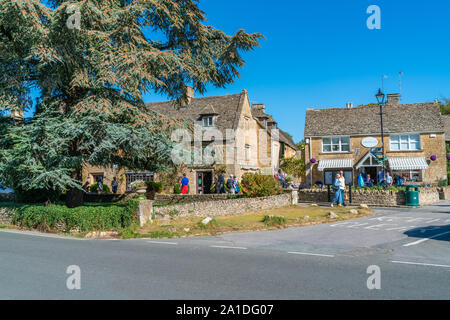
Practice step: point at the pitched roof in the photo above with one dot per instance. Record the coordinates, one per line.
(286, 138)
(416, 117)
(446, 119)
(226, 108)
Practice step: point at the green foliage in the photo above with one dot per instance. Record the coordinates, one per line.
(293, 166)
(174, 212)
(177, 188)
(94, 188)
(259, 185)
(156, 187)
(84, 218)
(213, 223)
(274, 220)
(91, 83)
(445, 106)
(443, 182)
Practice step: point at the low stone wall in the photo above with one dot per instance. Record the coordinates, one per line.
(6, 197)
(383, 198)
(444, 193)
(188, 198)
(227, 207)
(6, 216)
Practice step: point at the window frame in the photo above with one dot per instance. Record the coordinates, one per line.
(339, 144)
(400, 140)
(209, 121)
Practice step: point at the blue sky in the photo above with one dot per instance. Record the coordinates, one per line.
(321, 53)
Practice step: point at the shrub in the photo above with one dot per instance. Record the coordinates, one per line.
(274, 220)
(84, 218)
(173, 212)
(94, 188)
(177, 188)
(259, 185)
(156, 187)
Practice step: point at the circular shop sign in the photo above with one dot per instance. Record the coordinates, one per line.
(369, 142)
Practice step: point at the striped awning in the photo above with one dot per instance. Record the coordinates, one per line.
(335, 164)
(408, 163)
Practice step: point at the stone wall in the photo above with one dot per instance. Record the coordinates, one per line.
(383, 198)
(4, 197)
(227, 207)
(5, 216)
(444, 193)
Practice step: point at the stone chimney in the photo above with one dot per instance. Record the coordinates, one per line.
(259, 107)
(350, 105)
(393, 98)
(188, 95)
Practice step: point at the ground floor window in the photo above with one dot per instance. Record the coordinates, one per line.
(409, 175)
(135, 176)
(330, 175)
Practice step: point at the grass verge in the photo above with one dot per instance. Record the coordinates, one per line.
(291, 216)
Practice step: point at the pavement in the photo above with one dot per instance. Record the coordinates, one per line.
(409, 246)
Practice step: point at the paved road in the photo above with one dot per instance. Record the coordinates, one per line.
(410, 246)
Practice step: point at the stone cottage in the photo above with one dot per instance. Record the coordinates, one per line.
(349, 139)
(248, 139)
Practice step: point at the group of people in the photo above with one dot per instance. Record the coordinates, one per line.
(384, 180)
(232, 184)
(339, 189)
(114, 185)
(281, 177)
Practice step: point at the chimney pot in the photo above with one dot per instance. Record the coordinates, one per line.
(349, 105)
(393, 98)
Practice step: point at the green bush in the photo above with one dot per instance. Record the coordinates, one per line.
(94, 188)
(156, 187)
(84, 218)
(274, 220)
(258, 185)
(177, 188)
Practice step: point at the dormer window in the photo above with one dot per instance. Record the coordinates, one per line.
(208, 121)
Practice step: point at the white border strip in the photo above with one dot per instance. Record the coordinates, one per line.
(426, 239)
(422, 264)
(162, 242)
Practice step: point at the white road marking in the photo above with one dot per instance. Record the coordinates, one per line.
(422, 264)
(228, 247)
(44, 235)
(312, 254)
(426, 239)
(162, 242)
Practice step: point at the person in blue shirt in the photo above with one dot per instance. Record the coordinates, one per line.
(184, 184)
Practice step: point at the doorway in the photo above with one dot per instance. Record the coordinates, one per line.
(204, 182)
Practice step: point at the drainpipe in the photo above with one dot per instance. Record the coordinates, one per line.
(310, 156)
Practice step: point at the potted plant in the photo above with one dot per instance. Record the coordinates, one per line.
(139, 186)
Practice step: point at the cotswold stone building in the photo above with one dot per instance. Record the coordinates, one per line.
(239, 126)
(347, 139)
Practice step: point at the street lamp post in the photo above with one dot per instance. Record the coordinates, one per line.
(380, 98)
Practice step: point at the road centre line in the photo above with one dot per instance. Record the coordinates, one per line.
(312, 254)
(228, 247)
(422, 264)
(426, 239)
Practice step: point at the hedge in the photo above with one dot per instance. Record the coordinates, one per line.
(85, 218)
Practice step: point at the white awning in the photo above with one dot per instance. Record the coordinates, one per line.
(335, 164)
(408, 163)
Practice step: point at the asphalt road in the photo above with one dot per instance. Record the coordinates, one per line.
(410, 246)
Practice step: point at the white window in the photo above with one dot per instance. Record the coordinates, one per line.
(208, 121)
(406, 142)
(247, 152)
(336, 144)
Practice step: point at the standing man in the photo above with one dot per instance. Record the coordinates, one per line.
(220, 188)
(389, 179)
(114, 185)
(230, 184)
(342, 188)
(184, 184)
